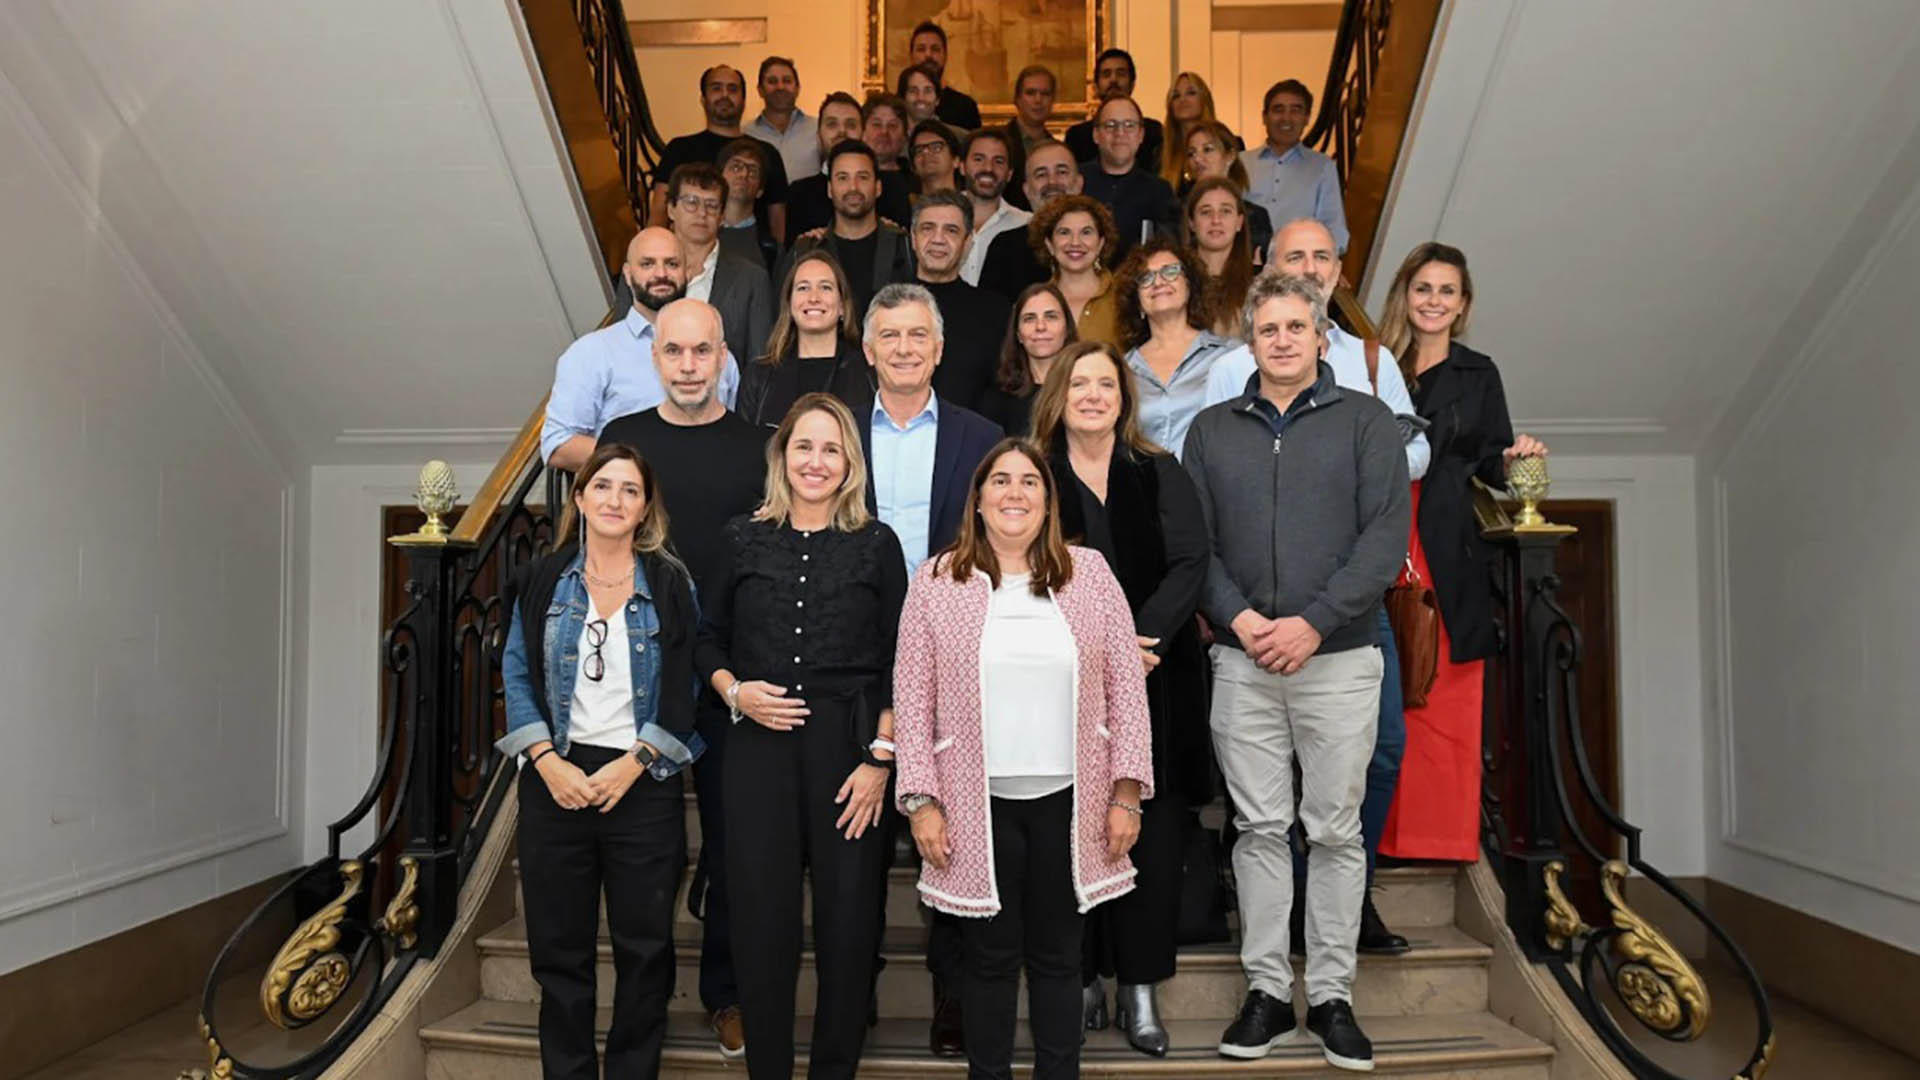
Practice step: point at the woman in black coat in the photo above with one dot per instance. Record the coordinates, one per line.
(1436, 808)
(812, 347)
(1132, 502)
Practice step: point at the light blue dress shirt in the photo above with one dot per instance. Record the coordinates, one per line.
(903, 476)
(799, 145)
(1301, 183)
(608, 374)
(1347, 356)
(1165, 409)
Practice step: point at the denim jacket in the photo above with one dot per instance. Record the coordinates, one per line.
(528, 719)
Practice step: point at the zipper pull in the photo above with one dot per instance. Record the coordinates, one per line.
(1276, 446)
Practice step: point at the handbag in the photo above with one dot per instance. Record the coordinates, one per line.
(1413, 610)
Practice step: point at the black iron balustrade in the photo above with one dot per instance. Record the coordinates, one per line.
(623, 96)
(1357, 47)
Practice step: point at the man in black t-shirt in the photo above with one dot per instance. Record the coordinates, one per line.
(873, 253)
(928, 46)
(976, 320)
(709, 466)
(1141, 201)
(809, 207)
(723, 97)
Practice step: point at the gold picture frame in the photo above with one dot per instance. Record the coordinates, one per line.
(977, 48)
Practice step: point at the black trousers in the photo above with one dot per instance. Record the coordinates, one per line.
(635, 853)
(1039, 925)
(1136, 936)
(780, 787)
(718, 986)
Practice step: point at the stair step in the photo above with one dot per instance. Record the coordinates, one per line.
(497, 1040)
(1445, 972)
(1408, 898)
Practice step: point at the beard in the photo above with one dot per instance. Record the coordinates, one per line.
(692, 403)
(985, 185)
(853, 204)
(656, 293)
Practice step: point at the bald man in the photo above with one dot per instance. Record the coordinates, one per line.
(610, 372)
(710, 465)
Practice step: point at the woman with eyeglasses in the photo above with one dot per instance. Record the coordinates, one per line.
(1167, 331)
(798, 639)
(1216, 220)
(1077, 237)
(598, 678)
(1040, 328)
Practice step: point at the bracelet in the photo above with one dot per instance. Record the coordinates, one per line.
(535, 759)
(1128, 807)
(733, 700)
(881, 742)
(867, 757)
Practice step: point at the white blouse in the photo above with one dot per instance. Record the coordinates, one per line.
(601, 713)
(1028, 662)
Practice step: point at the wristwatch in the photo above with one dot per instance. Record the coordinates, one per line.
(644, 754)
(912, 803)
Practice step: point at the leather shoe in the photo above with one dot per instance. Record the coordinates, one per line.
(945, 1036)
(730, 1030)
(1375, 938)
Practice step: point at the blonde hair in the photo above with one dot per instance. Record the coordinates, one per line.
(1173, 146)
(849, 512)
(1396, 330)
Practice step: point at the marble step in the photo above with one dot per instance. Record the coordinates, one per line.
(1445, 972)
(1409, 898)
(496, 1040)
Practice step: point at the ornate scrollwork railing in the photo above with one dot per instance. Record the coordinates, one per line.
(1532, 741)
(623, 96)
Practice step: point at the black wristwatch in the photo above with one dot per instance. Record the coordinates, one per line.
(644, 754)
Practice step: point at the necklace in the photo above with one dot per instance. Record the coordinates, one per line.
(599, 582)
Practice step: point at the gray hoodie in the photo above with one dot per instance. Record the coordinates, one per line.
(1309, 510)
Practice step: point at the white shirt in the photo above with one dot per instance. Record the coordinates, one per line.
(1028, 662)
(701, 287)
(1008, 216)
(602, 711)
(1347, 356)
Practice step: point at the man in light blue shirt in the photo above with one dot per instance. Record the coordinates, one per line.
(781, 122)
(609, 373)
(1288, 179)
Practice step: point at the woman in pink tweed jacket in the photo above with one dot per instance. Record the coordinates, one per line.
(1025, 884)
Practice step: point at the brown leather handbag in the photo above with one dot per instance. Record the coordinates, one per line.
(1413, 610)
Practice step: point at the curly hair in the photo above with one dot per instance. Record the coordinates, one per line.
(1048, 216)
(1134, 330)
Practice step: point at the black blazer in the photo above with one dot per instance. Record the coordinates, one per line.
(767, 391)
(961, 439)
(1463, 400)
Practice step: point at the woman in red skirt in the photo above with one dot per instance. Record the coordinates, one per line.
(1436, 810)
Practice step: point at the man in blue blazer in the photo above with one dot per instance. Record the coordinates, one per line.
(921, 452)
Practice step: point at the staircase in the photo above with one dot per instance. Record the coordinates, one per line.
(1426, 1010)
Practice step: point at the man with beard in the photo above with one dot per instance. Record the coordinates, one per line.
(710, 466)
(808, 205)
(928, 46)
(1011, 264)
(1113, 77)
(873, 253)
(609, 372)
(884, 129)
(781, 123)
(1138, 198)
(723, 97)
(1289, 179)
(976, 320)
(986, 166)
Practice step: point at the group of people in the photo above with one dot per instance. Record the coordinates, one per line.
(1009, 561)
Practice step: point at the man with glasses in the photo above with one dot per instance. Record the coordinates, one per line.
(737, 288)
(1113, 77)
(1141, 201)
(976, 320)
(723, 97)
(743, 164)
(1288, 178)
(933, 150)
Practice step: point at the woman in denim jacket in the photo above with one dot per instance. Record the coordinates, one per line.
(603, 710)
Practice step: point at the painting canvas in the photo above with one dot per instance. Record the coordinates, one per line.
(989, 41)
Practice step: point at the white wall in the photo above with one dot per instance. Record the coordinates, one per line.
(150, 588)
(1809, 539)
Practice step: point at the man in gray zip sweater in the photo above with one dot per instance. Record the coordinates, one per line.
(1305, 490)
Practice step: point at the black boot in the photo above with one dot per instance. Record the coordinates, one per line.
(1375, 938)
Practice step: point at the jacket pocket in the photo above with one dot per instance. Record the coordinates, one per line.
(940, 745)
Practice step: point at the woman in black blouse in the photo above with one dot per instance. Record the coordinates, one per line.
(799, 639)
(811, 348)
(1040, 328)
(1131, 501)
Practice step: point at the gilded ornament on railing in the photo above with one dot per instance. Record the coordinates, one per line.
(1655, 982)
(1760, 1066)
(435, 495)
(403, 915)
(219, 1065)
(1527, 478)
(1562, 919)
(307, 976)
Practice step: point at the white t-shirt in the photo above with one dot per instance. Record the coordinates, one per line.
(1028, 660)
(602, 711)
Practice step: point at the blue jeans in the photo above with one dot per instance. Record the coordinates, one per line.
(1383, 771)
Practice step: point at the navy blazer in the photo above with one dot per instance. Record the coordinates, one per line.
(961, 439)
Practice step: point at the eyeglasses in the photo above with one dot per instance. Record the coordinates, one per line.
(1169, 272)
(745, 168)
(1111, 126)
(594, 665)
(925, 148)
(694, 203)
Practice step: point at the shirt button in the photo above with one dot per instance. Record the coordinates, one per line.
(804, 558)
(642, 647)
(796, 659)
(803, 579)
(796, 629)
(799, 603)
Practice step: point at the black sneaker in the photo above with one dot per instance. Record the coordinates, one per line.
(1264, 1023)
(1375, 938)
(1341, 1040)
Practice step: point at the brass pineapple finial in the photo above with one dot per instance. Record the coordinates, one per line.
(1527, 478)
(435, 496)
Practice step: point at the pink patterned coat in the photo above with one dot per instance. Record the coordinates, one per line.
(937, 725)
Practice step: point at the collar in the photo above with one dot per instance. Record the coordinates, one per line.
(762, 121)
(713, 258)
(1338, 338)
(1002, 210)
(578, 566)
(747, 222)
(637, 324)
(1292, 153)
(880, 414)
(1324, 391)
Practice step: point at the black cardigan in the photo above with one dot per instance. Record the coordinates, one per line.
(1159, 553)
(767, 391)
(1463, 400)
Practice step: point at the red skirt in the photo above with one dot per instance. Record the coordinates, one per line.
(1436, 806)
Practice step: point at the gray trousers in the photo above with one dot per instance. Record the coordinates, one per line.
(1328, 713)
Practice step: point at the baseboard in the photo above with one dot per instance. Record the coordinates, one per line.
(66, 1003)
(1861, 983)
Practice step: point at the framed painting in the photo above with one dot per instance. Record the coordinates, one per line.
(989, 41)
